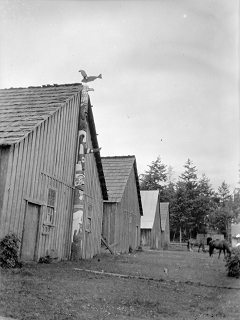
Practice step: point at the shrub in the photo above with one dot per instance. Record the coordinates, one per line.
(9, 247)
(46, 259)
(233, 263)
(165, 245)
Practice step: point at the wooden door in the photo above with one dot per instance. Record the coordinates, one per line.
(30, 232)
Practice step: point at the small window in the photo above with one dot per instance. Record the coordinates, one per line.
(51, 198)
(50, 206)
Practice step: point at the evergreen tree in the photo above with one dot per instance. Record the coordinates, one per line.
(220, 219)
(205, 203)
(189, 182)
(167, 192)
(178, 211)
(170, 174)
(152, 179)
(189, 176)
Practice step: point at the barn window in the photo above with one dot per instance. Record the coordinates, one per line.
(50, 206)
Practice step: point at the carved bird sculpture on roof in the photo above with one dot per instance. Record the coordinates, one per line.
(87, 78)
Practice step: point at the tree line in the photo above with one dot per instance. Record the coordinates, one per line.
(195, 207)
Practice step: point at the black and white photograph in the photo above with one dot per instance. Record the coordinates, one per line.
(119, 159)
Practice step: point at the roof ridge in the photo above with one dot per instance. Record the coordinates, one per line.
(116, 157)
(45, 86)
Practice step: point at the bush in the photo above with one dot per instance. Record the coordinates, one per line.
(233, 263)
(9, 247)
(165, 245)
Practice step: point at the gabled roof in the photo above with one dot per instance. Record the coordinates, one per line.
(164, 214)
(149, 203)
(116, 172)
(24, 109)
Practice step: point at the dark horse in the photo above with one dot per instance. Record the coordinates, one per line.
(208, 240)
(221, 245)
(196, 243)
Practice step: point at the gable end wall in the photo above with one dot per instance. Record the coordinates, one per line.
(44, 159)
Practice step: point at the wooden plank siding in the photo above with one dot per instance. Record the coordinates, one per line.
(146, 237)
(92, 197)
(122, 213)
(165, 226)
(128, 217)
(156, 236)
(43, 159)
(4, 173)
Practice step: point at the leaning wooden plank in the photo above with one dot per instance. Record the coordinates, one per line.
(121, 275)
(105, 243)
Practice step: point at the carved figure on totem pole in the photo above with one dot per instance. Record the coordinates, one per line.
(87, 78)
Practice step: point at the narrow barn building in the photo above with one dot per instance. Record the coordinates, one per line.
(38, 150)
(122, 212)
(235, 234)
(164, 211)
(151, 234)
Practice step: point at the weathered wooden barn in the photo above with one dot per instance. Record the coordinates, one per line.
(151, 233)
(165, 226)
(122, 212)
(235, 234)
(38, 147)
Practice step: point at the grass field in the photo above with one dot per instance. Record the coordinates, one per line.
(170, 284)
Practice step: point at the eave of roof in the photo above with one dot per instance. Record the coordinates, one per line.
(97, 155)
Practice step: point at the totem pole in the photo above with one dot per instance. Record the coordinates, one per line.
(82, 150)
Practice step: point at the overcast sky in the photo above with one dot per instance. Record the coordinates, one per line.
(169, 68)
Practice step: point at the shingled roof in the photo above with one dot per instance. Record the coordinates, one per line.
(22, 110)
(149, 203)
(116, 172)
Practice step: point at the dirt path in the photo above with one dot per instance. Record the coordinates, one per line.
(160, 285)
